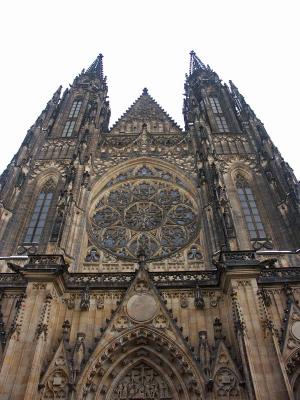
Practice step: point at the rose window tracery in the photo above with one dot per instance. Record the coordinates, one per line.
(143, 216)
(150, 213)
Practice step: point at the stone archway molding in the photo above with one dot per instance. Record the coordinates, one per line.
(168, 357)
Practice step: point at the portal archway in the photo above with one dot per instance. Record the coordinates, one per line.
(141, 362)
(143, 379)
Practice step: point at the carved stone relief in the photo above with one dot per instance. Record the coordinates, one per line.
(142, 382)
(227, 383)
(56, 386)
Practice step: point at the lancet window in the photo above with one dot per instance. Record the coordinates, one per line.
(219, 117)
(39, 215)
(70, 123)
(215, 105)
(250, 211)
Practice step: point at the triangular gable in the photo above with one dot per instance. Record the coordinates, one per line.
(141, 334)
(226, 376)
(57, 377)
(145, 111)
(142, 305)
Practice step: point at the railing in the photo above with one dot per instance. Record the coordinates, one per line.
(180, 279)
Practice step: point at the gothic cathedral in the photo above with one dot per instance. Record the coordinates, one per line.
(146, 261)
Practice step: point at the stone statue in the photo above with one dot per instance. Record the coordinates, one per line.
(199, 300)
(85, 299)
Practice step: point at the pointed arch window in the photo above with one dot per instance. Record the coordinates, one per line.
(39, 216)
(219, 116)
(72, 118)
(250, 211)
(215, 105)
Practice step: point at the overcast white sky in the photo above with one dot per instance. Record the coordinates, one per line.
(147, 43)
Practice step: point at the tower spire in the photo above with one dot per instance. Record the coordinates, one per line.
(96, 67)
(196, 63)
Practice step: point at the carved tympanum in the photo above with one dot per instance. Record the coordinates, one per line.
(159, 216)
(144, 383)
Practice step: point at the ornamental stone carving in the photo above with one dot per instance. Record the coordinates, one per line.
(56, 386)
(142, 382)
(150, 213)
(226, 383)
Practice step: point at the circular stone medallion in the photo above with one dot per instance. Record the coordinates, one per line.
(296, 329)
(141, 307)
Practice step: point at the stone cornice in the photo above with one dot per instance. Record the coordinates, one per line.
(54, 268)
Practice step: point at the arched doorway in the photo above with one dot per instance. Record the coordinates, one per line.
(142, 364)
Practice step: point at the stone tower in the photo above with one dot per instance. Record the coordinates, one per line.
(144, 261)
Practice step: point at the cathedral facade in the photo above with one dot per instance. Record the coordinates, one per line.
(147, 261)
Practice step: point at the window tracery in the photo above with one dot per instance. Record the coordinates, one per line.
(39, 215)
(72, 117)
(251, 213)
(160, 217)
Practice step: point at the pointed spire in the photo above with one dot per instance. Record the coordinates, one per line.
(96, 67)
(196, 63)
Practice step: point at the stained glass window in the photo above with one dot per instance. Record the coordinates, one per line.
(154, 214)
(219, 116)
(38, 217)
(221, 124)
(70, 123)
(215, 105)
(251, 213)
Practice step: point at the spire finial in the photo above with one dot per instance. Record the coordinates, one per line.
(96, 67)
(145, 91)
(196, 63)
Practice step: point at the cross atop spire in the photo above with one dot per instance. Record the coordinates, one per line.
(196, 63)
(96, 67)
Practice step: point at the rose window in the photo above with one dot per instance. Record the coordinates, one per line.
(157, 216)
(143, 216)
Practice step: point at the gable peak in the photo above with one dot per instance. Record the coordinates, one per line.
(145, 109)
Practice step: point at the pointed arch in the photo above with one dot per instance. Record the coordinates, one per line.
(72, 117)
(155, 164)
(249, 208)
(40, 212)
(162, 377)
(44, 193)
(150, 187)
(141, 344)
